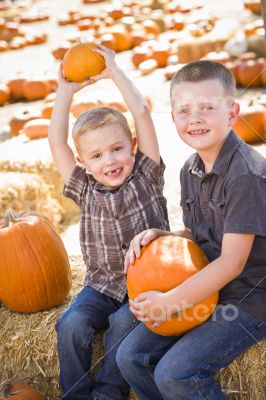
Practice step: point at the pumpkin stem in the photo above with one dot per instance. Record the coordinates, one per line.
(9, 218)
(4, 388)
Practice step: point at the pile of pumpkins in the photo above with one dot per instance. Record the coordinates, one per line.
(13, 38)
(126, 24)
(248, 69)
(26, 89)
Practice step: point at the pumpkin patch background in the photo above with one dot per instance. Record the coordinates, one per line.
(150, 46)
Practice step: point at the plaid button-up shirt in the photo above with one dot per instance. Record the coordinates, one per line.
(110, 219)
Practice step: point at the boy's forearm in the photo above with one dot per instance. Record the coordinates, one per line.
(202, 285)
(137, 104)
(58, 130)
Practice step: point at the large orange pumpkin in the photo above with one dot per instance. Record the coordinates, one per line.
(81, 62)
(17, 391)
(34, 267)
(164, 264)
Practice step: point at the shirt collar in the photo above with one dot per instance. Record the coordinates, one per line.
(221, 164)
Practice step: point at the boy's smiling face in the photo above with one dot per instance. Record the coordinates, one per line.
(203, 115)
(107, 154)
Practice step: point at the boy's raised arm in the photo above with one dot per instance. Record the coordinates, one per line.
(58, 130)
(137, 104)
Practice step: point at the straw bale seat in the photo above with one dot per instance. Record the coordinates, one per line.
(28, 352)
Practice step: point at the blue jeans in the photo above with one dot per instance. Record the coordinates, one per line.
(90, 313)
(183, 368)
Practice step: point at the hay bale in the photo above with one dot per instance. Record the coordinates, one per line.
(28, 342)
(25, 191)
(28, 352)
(34, 156)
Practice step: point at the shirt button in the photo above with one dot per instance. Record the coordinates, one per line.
(124, 246)
(204, 185)
(204, 205)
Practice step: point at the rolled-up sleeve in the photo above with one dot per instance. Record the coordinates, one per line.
(153, 171)
(76, 184)
(245, 209)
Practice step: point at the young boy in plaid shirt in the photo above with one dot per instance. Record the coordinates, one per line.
(120, 194)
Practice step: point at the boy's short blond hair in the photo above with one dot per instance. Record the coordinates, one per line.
(99, 117)
(202, 70)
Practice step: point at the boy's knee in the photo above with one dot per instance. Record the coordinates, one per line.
(73, 324)
(122, 321)
(123, 357)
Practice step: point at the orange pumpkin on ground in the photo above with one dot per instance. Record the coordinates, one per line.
(80, 106)
(164, 264)
(249, 73)
(61, 50)
(34, 266)
(81, 62)
(20, 118)
(148, 66)
(123, 40)
(250, 122)
(140, 54)
(4, 93)
(36, 89)
(16, 87)
(37, 128)
(47, 110)
(17, 391)
(108, 40)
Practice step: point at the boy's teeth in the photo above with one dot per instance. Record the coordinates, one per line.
(113, 172)
(198, 131)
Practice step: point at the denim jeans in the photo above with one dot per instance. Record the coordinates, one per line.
(90, 313)
(184, 367)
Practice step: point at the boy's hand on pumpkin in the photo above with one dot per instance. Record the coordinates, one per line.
(109, 58)
(149, 307)
(73, 87)
(140, 240)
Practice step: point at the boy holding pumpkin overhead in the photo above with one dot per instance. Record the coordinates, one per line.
(120, 194)
(223, 197)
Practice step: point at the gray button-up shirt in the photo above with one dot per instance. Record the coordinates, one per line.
(230, 199)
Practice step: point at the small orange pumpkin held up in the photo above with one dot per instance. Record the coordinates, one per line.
(81, 62)
(165, 263)
(34, 266)
(17, 391)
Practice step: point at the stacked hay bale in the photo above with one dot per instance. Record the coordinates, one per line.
(28, 352)
(26, 191)
(31, 161)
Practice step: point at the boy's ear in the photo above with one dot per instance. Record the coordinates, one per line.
(233, 113)
(133, 142)
(172, 115)
(78, 159)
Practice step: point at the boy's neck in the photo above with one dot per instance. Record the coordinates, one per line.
(209, 156)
